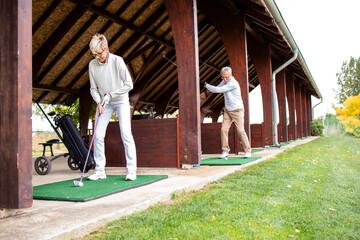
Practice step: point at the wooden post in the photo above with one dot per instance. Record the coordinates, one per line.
(281, 95)
(310, 117)
(183, 19)
(232, 29)
(261, 56)
(15, 104)
(290, 95)
(298, 109)
(304, 113)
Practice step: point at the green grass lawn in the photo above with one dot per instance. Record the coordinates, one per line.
(309, 192)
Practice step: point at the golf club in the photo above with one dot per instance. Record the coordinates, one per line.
(80, 183)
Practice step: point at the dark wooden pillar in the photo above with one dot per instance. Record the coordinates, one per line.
(85, 102)
(310, 117)
(290, 95)
(183, 19)
(304, 112)
(261, 56)
(298, 109)
(281, 97)
(15, 104)
(231, 27)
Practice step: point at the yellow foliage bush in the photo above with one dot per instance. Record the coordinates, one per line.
(349, 115)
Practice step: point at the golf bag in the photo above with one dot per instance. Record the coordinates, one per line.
(77, 147)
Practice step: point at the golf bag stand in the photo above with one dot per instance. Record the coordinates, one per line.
(76, 145)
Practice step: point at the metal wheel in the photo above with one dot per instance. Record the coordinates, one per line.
(72, 164)
(42, 165)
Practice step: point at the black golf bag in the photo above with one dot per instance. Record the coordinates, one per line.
(76, 145)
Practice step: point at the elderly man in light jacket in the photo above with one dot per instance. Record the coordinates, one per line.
(233, 112)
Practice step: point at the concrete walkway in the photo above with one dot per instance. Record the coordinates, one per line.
(67, 220)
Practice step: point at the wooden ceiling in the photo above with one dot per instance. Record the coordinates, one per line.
(140, 32)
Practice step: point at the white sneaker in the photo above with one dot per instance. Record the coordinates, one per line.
(247, 155)
(224, 155)
(97, 175)
(130, 176)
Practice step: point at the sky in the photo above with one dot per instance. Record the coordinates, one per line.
(327, 34)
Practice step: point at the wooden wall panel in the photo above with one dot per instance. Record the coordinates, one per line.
(257, 137)
(211, 138)
(155, 140)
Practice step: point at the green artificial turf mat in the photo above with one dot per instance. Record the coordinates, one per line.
(256, 149)
(281, 144)
(229, 161)
(66, 191)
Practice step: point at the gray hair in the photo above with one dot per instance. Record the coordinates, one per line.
(98, 41)
(227, 69)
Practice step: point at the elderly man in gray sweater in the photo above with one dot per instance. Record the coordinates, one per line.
(233, 112)
(110, 83)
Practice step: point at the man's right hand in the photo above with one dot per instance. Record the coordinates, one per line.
(100, 108)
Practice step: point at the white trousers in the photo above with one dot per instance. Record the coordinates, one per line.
(123, 113)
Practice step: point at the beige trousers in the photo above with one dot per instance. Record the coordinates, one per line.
(236, 116)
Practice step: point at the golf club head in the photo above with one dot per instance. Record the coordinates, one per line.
(78, 183)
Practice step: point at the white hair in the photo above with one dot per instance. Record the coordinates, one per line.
(98, 41)
(227, 69)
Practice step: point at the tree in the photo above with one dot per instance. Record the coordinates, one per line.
(349, 115)
(348, 80)
(72, 110)
(317, 127)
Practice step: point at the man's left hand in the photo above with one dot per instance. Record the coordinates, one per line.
(105, 100)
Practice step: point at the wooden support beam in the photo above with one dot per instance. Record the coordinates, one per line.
(141, 83)
(281, 97)
(16, 166)
(147, 62)
(290, 95)
(183, 19)
(146, 25)
(44, 51)
(234, 39)
(230, 5)
(258, 16)
(56, 89)
(304, 111)
(164, 100)
(137, 52)
(129, 25)
(45, 15)
(69, 45)
(252, 5)
(298, 109)
(310, 116)
(261, 57)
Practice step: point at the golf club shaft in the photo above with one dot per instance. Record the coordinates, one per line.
(92, 140)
